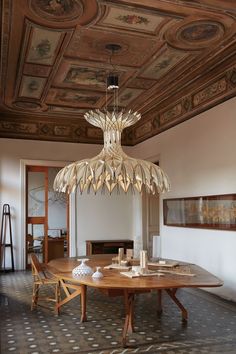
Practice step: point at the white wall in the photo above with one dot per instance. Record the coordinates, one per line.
(13, 151)
(199, 157)
(104, 217)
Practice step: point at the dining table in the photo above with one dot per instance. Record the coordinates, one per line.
(164, 275)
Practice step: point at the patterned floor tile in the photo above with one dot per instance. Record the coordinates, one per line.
(211, 327)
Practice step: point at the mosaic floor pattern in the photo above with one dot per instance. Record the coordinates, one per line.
(211, 327)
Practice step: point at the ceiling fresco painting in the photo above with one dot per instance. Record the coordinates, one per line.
(85, 76)
(130, 20)
(198, 32)
(165, 62)
(177, 59)
(128, 95)
(74, 98)
(90, 44)
(171, 114)
(32, 87)
(215, 89)
(43, 46)
(66, 109)
(57, 10)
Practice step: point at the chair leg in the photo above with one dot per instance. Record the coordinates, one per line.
(35, 296)
(57, 298)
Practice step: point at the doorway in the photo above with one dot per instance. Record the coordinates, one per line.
(47, 215)
(151, 223)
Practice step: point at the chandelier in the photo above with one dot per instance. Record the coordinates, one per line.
(112, 169)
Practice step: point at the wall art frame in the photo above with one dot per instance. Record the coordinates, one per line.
(206, 212)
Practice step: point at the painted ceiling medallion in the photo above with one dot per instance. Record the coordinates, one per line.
(58, 9)
(101, 46)
(195, 35)
(200, 32)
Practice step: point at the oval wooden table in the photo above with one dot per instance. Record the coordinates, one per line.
(113, 284)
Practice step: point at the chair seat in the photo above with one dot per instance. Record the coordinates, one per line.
(47, 281)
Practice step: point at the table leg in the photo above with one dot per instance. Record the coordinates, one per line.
(171, 293)
(68, 294)
(83, 302)
(159, 302)
(129, 315)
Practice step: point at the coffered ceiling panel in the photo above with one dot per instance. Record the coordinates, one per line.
(177, 59)
(91, 45)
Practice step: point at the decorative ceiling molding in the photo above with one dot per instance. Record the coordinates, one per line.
(177, 59)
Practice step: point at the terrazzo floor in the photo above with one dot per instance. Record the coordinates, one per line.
(211, 327)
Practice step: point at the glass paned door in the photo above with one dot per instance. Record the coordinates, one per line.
(36, 193)
(36, 211)
(46, 215)
(57, 219)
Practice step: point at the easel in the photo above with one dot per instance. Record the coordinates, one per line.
(6, 219)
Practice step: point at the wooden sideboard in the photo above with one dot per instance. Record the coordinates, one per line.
(107, 246)
(55, 248)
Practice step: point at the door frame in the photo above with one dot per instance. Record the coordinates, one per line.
(40, 220)
(72, 208)
(147, 232)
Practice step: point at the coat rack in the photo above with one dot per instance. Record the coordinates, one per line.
(6, 239)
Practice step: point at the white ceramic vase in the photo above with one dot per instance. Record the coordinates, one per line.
(82, 269)
(97, 274)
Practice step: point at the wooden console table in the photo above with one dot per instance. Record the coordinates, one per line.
(107, 246)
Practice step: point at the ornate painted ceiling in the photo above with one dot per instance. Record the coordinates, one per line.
(177, 59)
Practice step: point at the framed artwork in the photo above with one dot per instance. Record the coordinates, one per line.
(210, 212)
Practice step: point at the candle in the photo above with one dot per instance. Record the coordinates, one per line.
(143, 260)
(120, 255)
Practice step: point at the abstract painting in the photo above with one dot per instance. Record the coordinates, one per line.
(211, 212)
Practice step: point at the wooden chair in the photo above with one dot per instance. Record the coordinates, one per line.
(31, 248)
(42, 278)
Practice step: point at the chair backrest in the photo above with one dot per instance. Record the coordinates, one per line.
(30, 240)
(37, 270)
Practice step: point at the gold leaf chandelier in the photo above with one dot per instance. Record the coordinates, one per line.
(112, 169)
